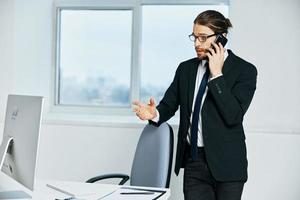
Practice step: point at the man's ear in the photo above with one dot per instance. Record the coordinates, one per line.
(224, 34)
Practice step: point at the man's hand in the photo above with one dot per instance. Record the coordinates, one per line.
(145, 111)
(216, 59)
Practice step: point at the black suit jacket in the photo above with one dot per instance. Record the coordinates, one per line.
(226, 102)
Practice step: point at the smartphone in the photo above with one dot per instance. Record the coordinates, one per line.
(220, 39)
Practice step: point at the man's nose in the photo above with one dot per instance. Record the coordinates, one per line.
(197, 43)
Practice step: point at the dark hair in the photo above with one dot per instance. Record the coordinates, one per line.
(214, 20)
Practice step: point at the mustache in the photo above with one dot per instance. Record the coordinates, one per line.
(201, 49)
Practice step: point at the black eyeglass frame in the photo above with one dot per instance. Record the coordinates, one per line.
(193, 37)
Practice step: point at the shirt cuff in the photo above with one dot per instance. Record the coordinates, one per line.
(156, 119)
(212, 78)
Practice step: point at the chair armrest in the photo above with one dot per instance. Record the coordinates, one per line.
(124, 178)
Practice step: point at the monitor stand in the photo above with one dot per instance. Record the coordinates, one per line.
(13, 194)
(6, 144)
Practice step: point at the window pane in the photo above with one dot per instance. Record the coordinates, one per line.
(95, 57)
(165, 44)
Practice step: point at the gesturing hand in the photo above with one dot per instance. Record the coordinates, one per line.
(145, 111)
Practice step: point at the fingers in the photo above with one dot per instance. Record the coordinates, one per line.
(138, 109)
(221, 46)
(140, 114)
(217, 48)
(209, 56)
(222, 50)
(143, 111)
(136, 106)
(211, 51)
(152, 102)
(137, 103)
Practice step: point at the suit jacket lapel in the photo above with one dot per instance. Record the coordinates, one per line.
(229, 62)
(192, 80)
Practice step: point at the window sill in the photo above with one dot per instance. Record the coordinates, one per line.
(97, 120)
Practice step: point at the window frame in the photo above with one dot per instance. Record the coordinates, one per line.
(92, 109)
(136, 41)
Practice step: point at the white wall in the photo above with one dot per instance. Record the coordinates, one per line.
(6, 54)
(265, 33)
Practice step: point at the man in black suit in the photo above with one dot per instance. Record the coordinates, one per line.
(213, 92)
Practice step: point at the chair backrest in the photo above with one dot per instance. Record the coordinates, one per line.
(153, 157)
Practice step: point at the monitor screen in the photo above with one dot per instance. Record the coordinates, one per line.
(22, 126)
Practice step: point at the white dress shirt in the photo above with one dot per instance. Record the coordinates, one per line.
(200, 73)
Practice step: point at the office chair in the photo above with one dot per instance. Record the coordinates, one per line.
(152, 161)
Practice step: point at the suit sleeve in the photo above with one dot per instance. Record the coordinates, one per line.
(169, 104)
(234, 102)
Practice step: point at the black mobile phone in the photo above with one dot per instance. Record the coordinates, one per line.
(220, 39)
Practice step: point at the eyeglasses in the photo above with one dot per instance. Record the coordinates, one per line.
(201, 38)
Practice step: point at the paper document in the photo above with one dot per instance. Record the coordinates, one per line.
(79, 190)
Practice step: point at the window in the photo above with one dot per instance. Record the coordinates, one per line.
(165, 44)
(108, 56)
(95, 57)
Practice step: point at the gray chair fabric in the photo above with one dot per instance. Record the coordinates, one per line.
(153, 157)
(152, 161)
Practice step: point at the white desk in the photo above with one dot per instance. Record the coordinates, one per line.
(86, 191)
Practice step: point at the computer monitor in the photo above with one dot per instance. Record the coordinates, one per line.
(19, 147)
